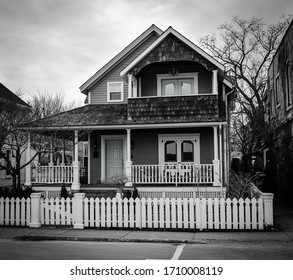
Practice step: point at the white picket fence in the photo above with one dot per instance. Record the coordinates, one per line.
(151, 213)
(15, 211)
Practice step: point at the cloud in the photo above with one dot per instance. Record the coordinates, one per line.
(58, 44)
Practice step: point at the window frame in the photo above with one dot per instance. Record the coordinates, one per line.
(288, 87)
(109, 92)
(162, 77)
(277, 89)
(179, 138)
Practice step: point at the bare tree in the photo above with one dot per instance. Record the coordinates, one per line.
(246, 48)
(12, 139)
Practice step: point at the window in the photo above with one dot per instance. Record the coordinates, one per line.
(277, 91)
(180, 148)
(288, 87)
(115, 91)
(170, 151)
(181, 84)
(187, 151)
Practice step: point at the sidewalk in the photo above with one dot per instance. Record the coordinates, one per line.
(283, 232)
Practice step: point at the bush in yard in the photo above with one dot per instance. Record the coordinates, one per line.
(64, 192)
(240, 184)
(24, 192)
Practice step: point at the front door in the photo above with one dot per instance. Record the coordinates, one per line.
(114, 158)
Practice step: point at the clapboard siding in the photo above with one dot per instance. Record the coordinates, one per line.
(95, 163)
(99, 90)
(145, 147)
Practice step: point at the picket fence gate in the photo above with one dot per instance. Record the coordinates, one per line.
(151, 213)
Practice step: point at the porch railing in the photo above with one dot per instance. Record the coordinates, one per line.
(173, 174)
(53, 174)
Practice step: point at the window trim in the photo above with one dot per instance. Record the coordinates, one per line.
(192, 75)
(288, 87)
(179, 138)
(108, 91)
(277, 85)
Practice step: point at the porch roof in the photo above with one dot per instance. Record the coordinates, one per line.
(117, 115)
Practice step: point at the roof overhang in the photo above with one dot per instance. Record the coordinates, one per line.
(169, 31)
(153, 28)
(130, 126)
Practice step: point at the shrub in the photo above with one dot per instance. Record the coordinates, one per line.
(64, 192)
(240, 185)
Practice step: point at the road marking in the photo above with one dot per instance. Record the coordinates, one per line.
(178, 252)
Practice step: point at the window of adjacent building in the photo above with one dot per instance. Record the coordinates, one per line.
(115, 91)
(288, 87)
(277, 90)
(180, 84)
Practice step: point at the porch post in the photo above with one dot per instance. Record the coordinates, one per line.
(215, 82)
(129, 85)
(63, 154)
(76, 183)
(128, 159)
(28, 171)
(134, 87)
(89, 159)
(51, 163)
(216, 161)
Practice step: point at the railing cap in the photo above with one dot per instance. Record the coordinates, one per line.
(36, 195)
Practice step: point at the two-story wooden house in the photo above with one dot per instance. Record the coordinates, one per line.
(155, 117)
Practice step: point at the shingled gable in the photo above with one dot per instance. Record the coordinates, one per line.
(113, 62)
(171, 31)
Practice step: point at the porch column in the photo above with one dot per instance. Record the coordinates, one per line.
(134, 87)
(89, 158)
(129, 85)
(51, 163)
(215, 82)
(128, 159)
(28, 171)
(216, 161)
(63, 154)
(76, 165)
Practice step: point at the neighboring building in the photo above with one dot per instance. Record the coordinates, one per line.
(280, 86)
(156, 116)
(8, 100)
(279, 114)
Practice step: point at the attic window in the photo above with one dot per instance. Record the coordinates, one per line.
(114, 91)
(181, 84)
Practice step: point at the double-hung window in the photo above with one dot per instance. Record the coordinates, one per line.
(181, 84)
(115, 91)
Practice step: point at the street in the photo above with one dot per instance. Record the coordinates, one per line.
(84, 250)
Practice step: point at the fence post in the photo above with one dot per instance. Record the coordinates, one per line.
(77, 210)
(268, 208)
(35, 221)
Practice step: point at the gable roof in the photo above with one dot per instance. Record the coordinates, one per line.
(119, 57)
(169, 31)
(6, 95)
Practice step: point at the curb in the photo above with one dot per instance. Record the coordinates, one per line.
(142, 240)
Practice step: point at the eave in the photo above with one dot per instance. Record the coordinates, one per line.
(153, 28)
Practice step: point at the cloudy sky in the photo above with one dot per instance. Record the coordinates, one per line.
(54, 45)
